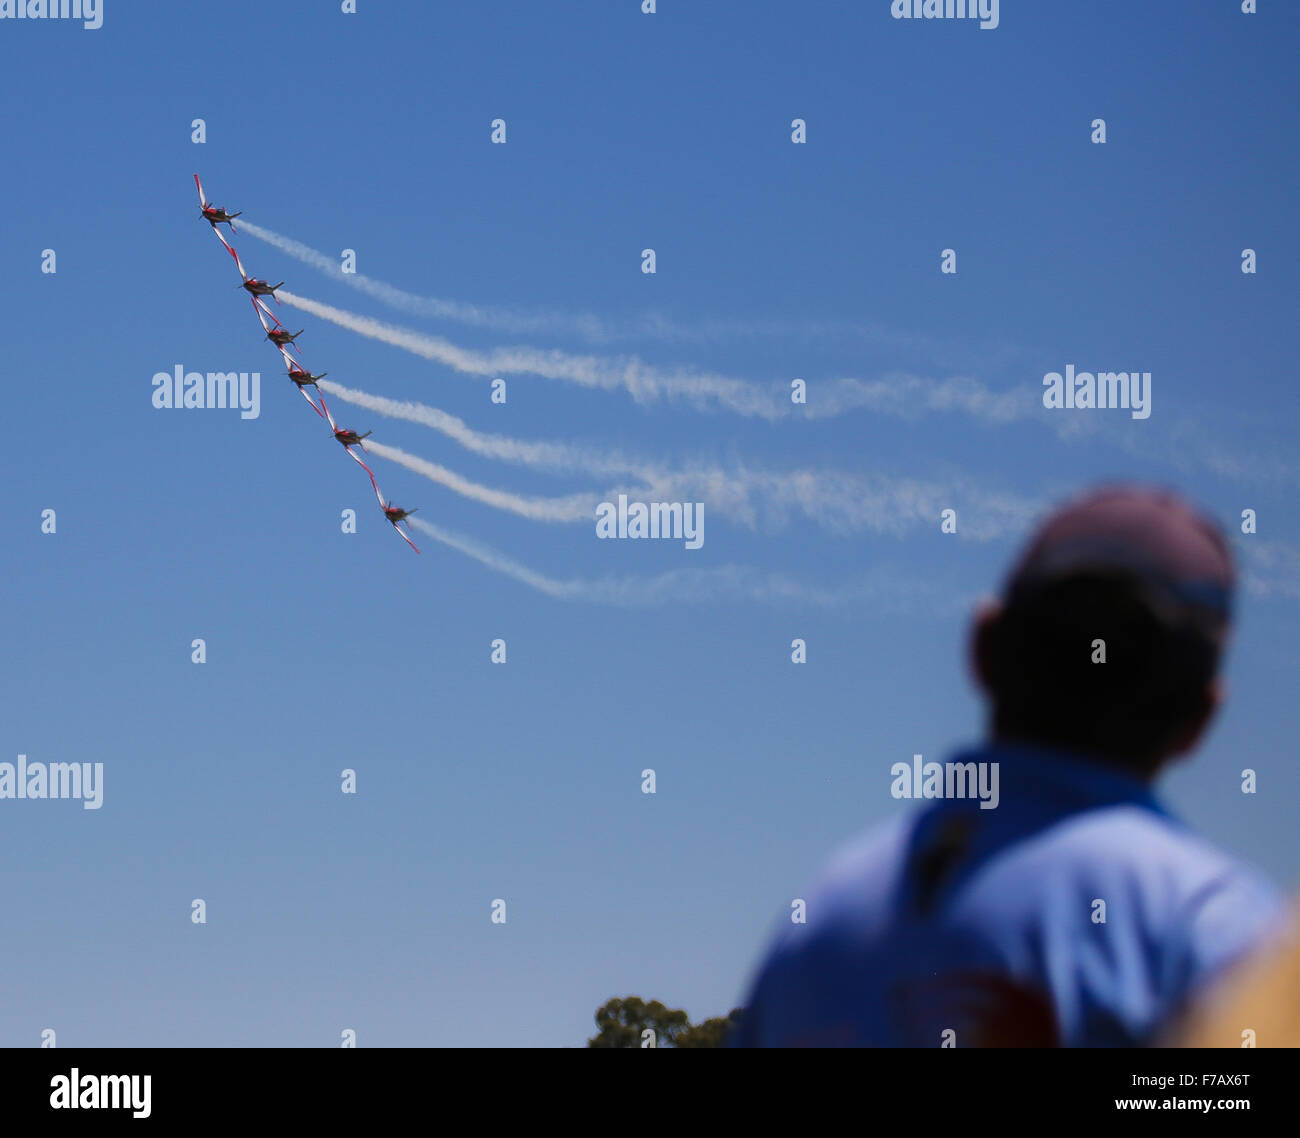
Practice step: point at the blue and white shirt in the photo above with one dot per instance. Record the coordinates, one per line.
(983, 927)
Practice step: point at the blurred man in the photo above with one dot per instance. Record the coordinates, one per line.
(1045, 897)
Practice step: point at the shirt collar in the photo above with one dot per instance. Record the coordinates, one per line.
(1071, 780)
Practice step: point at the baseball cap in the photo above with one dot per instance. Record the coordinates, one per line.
(1151, 534)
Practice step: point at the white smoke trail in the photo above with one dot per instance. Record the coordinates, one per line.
(585, 325)
(538, 455)
(500, 319)
(594, 329)
(897, 394)
(726, 582)
(645, 384)
(574, 508)
(1271, 568)
(900, 394)
(839, 503)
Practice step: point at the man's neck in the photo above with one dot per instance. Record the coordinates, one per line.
(1144, 771)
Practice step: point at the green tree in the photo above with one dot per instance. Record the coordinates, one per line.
(623, 1019)
(711, 1033)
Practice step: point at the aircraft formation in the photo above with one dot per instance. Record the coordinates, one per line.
(285, 343)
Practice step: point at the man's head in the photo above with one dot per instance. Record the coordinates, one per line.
(1151, 579)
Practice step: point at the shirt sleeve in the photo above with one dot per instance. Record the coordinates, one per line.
(1231, 917)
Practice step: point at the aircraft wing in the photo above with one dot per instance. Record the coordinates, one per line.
(369, 473)
(229, 248)
(262, 313)
(203, 201)
(310, 400)
(402, 533)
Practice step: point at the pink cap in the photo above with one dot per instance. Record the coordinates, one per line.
(1152, 533)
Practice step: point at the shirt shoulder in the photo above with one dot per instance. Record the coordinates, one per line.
(1124, 912)
(1115, 914)
(1142, 859)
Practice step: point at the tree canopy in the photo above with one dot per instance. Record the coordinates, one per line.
(623, 1020)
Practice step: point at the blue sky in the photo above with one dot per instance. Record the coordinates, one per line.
(522, 781)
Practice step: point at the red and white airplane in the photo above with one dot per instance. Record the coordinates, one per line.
(351, 439)
(304, 379)
(214, 213)
(394, 514)
(276, 332)
(281, 336)
(257, 287)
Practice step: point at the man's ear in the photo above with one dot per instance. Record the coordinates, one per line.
(983, 644)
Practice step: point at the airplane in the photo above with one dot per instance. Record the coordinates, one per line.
(272, 325)
(350, 439)
(214, 213)
(214, 216)
(256, 288)
(261, 288)
(394, 514)
(304, 378)
(279, 336)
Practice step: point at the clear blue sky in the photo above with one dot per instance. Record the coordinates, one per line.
(522, 781)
